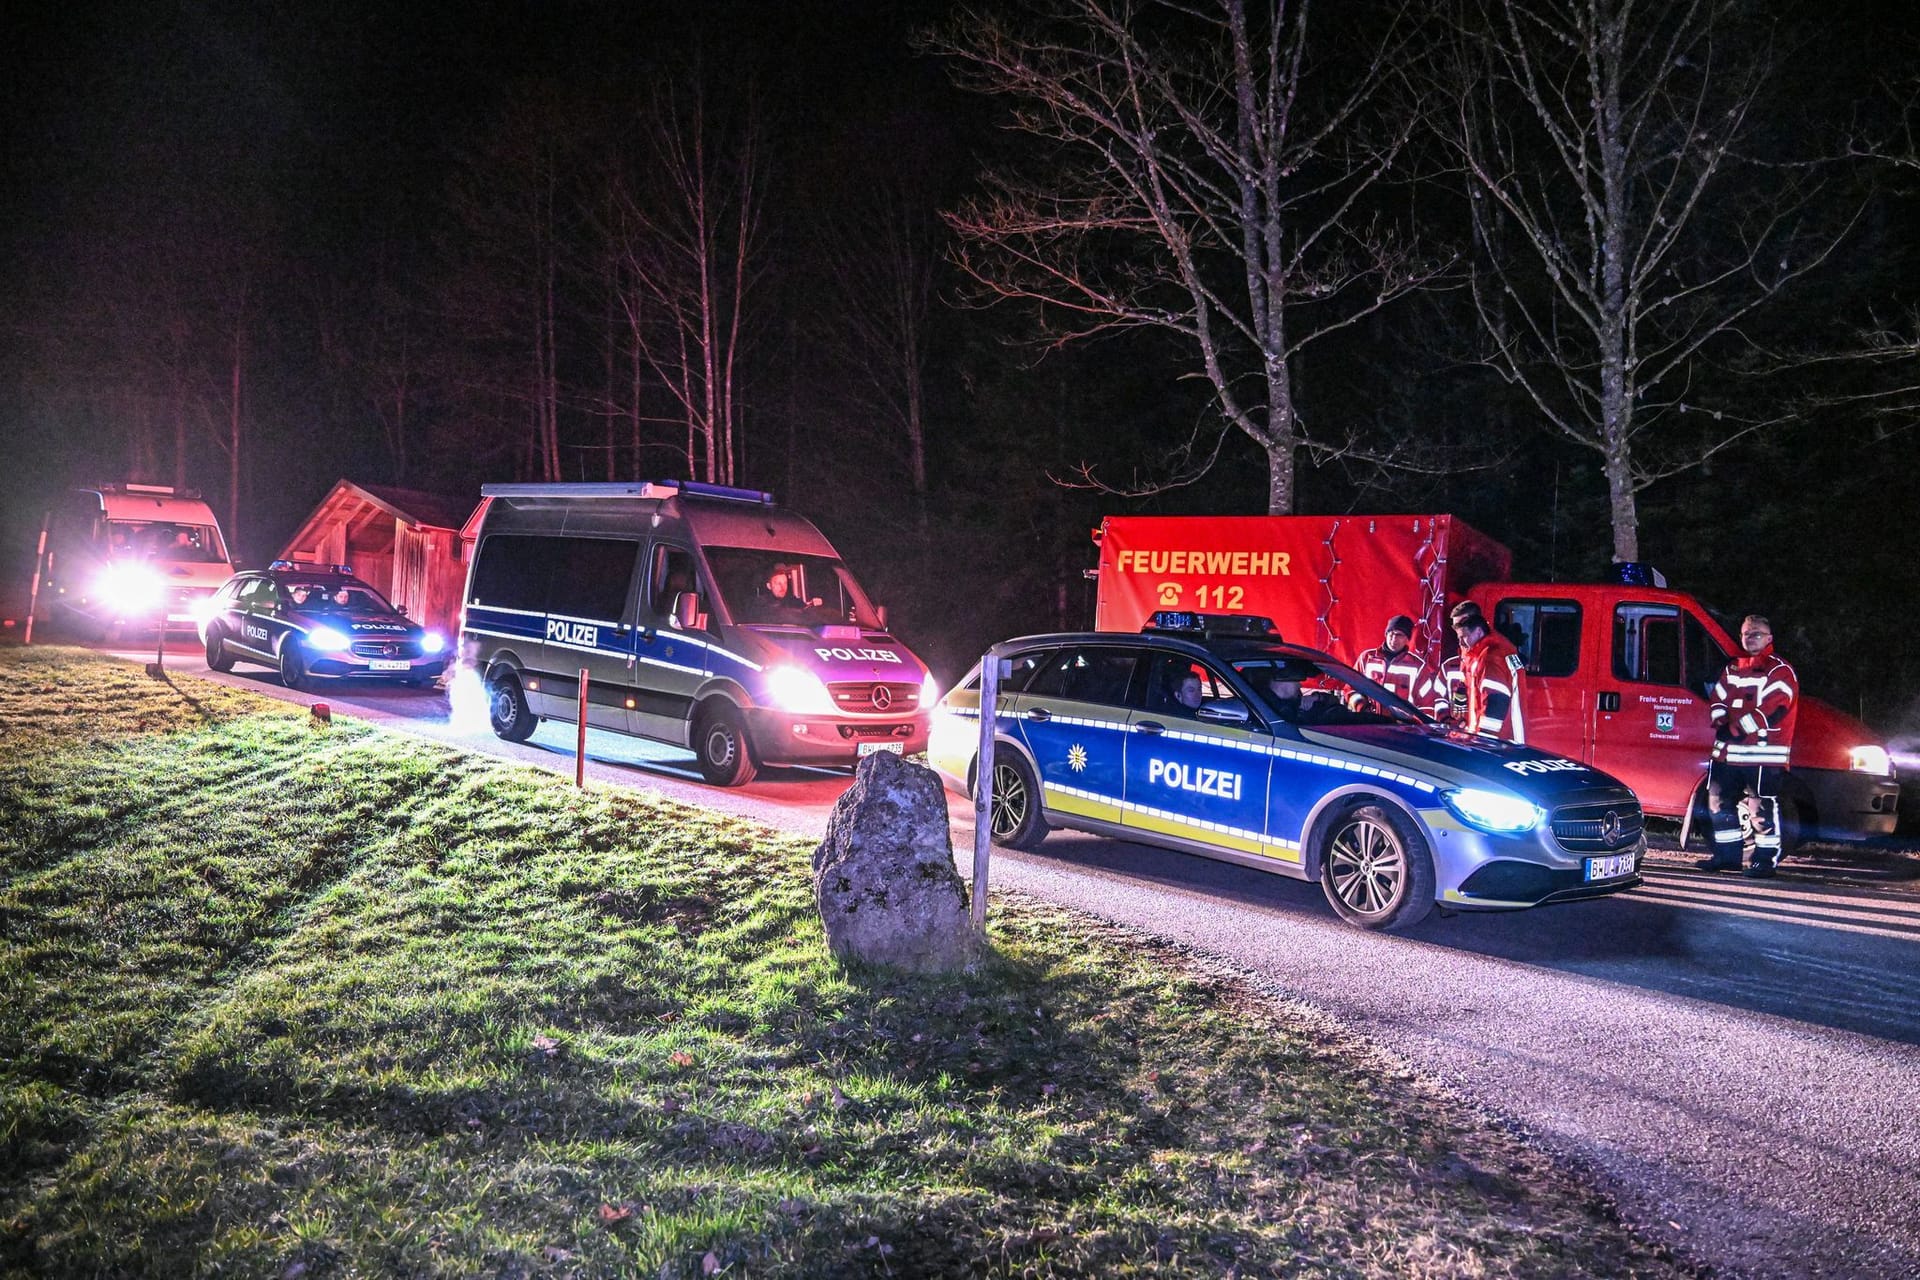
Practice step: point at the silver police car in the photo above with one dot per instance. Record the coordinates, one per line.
(1209, 735)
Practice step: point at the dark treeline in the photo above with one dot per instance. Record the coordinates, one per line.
(793, 247)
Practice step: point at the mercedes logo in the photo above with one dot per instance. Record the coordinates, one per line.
(882, 697)
(1610, 827)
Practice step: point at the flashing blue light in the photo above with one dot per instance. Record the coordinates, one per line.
(1635, 573)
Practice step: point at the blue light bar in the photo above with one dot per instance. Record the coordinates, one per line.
(628, 489)
(1185, 622)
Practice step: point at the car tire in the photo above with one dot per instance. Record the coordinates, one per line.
(1376, 868)
(218, 659)
(1018, 816)
(293, 665)
(720, 740)
(507, 710)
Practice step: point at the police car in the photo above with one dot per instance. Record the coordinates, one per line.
(1210, 735)
(313, 621)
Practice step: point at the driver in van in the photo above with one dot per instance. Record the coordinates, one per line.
(780, 592)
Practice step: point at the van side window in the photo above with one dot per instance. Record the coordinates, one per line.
(511, 571)
(1024, 665)
(670, 574)
(591, 578)
(1092, 674)
(1546, 632)
(1646, 644)
(1705, 658)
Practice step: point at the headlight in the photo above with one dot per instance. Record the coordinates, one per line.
(432, 642)
(1871, 759)
(130, 588)
(798, 691)
(327, 639)
(1499, 812)
(929, 691)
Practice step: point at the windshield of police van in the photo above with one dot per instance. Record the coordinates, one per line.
(166, 540)
(335, 597)
(1309, 691)
(764, 587)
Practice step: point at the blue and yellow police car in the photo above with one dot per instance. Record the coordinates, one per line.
(1210, 735)
(317, 621)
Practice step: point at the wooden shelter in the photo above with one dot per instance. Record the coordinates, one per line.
(404, 542)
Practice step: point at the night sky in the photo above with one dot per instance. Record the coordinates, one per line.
(162, 160)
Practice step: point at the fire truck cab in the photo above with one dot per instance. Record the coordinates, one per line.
(1618, 672)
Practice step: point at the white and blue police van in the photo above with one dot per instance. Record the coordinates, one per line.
(1209, 735)
(705, 617)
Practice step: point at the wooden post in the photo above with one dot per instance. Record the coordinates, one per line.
(580, 736)
(33, 592)
(983, 782)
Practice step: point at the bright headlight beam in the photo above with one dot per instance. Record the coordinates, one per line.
(432, 642)
(326, 638)
(798, 691)
(1871, 758)
(1499, 812)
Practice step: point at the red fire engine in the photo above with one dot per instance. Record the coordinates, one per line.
(1617, 674)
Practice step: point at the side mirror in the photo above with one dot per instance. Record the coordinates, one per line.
(1223, 713)
(686, 611)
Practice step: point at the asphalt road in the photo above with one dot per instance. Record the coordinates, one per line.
(1736, 1063)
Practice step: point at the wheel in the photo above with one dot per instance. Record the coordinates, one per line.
(507, 709)
(218, 659)
(721, 741)
(1019, 821)
(1376, 869)
(293, 665)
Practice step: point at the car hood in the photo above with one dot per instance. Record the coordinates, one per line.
(360, 624)
(839, 653)
(1461, 760)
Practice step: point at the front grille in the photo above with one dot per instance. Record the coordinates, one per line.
(1605, 826)
(868, 698)
(386, 648)
(854, 732)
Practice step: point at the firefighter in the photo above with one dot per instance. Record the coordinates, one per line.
(1449, 699)
(1492, 676)
(1396, 667)
(1755, 703)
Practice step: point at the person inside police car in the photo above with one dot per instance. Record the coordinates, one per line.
(1296, 705)
(1188, 696)
(1755, 703)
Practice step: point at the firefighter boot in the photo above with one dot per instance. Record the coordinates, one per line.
(1726, 845)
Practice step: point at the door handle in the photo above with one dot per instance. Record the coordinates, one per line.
(1609, 701)
(1151, 726)
(1039, 713)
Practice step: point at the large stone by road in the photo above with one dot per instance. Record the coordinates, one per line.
(884, 876)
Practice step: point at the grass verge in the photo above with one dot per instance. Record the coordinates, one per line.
(279, 1000)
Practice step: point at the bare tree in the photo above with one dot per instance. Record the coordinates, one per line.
(689, 239)
(1209, 178)
(1626, 237)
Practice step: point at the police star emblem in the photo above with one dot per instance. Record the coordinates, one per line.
(1077, 758)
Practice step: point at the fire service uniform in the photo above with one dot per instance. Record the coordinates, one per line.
(1449, 697)
(1405, 673)
(1755, 703)
(1494, 679)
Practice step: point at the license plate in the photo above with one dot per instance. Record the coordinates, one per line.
(875, 748)
(389, 664)
(1620, 864)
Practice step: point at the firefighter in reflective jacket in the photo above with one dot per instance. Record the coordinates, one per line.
(1493, 675)
(1396, 667)
(1755, 703)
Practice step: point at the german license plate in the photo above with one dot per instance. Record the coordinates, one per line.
(875, 748)
(389, 664)
(1620, 864)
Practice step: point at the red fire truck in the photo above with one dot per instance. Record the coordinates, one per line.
(1617, 674)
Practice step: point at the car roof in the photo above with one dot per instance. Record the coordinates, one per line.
(1222, 649)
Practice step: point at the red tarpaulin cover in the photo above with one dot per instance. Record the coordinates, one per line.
(1327, 581)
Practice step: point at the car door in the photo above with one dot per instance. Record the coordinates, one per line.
(1654, 734)
(1196, 773)
(1073, 718)
(254, 621)
(669, 664)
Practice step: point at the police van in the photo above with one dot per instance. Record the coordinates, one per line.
(704, 615)
(1210, 735)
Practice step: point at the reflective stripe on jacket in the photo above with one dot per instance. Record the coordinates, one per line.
(1755, 703)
